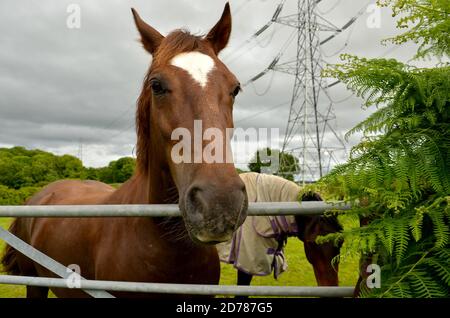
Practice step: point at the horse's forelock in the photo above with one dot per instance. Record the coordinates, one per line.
(177, 42)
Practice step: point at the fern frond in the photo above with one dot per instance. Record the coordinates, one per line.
(440, 228)
(416, 223)
(442, 269)
(398, 176)
(423, 285)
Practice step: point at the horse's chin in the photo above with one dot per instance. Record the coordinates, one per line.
(197, 241)
(205, 233)
(202, 238)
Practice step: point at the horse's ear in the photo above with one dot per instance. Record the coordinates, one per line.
(220, 33)
(150, 38)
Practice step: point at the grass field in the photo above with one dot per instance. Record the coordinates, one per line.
(299, 273)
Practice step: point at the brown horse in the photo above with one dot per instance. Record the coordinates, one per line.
(320, 256)
(186, 82)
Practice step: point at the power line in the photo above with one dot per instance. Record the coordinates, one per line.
(119, 117)
(262, 112)
(347, 41)
(306, 116)
(268, 41)
(258, 32)
(103, 135)
(274, 61)
(238, 9)
(338, 2)
(127, 129)
(80, 150)
(346, 25)
(267, 88)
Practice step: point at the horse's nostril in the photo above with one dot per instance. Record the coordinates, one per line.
(194, 199)
(192, 195)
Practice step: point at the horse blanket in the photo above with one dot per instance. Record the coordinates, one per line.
(256, 247)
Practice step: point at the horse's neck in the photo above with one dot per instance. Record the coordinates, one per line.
(159, 189)
(145, 189)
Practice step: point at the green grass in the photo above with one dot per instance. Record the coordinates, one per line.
(299, 272)
(8, 291)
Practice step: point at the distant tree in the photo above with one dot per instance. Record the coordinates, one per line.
(14, 173)
(122, 169)
(10, 196)
(117, 171)
(105, 174)
(43, 169)
(68, 167)
(239, 171)
(286, 167)
(20, 167)
(90, 173)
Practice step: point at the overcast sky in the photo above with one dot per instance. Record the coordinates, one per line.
(60, 86)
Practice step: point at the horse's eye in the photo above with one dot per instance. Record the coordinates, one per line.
(236, 90)
(157, 87)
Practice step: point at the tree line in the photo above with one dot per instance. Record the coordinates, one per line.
(23, 172)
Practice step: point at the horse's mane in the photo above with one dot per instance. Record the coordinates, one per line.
(176, 42)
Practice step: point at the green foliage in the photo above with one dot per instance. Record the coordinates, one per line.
(116, 172)
(16, 197)
(398, 176)
(22, 171)
(287, 164)
(20, 167)
(421, 274)
(427, 22)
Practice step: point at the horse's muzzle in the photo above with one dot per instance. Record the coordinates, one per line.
(212, 214)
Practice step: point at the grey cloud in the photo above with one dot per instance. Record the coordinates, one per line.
(59, 86)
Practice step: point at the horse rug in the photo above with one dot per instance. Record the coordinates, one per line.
(257, 246)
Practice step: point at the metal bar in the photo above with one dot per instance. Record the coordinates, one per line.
(322, 291)
(45, 261)
(155, 210)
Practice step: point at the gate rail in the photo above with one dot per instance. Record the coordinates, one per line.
(133, 210)
(97, 288)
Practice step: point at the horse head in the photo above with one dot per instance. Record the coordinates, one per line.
(321, 256)
(189, 89)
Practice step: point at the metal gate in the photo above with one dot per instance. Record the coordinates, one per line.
(97, 288)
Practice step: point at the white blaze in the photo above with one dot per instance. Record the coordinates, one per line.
(197, 64)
